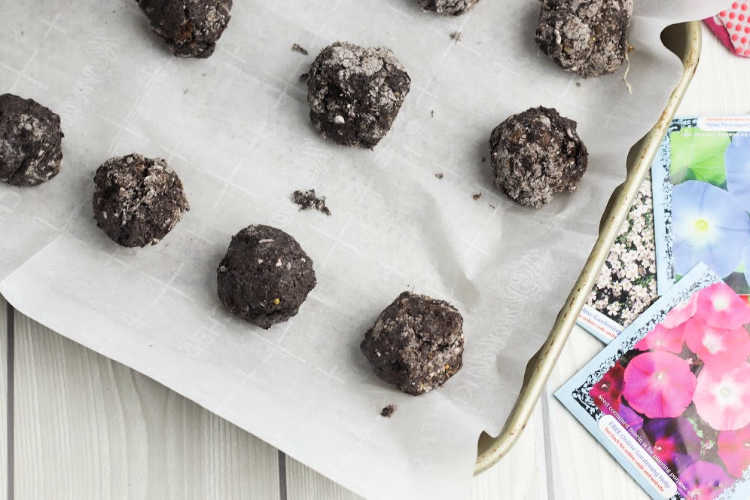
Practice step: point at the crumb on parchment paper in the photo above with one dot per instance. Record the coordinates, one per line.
(388, 411)
(299, 49)
(307, 199)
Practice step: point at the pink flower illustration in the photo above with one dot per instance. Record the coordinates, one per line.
(717, 346)
(608, 388)
(721, 307)
(704, 481)
(682, 312)
(662, 339)
(659, 384)
(734, 450)
(722, 397)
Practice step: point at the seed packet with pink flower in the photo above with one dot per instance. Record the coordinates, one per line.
(701, 193)
(626, 285)
(669, 398)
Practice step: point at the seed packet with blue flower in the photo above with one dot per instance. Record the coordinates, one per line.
(669, 398)
(701, 191)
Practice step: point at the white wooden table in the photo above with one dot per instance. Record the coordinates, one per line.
(75, 425)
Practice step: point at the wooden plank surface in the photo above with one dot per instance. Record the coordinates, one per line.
(580, 467)
(3, 401)
(720, 84)
(520, 476)
(304, 483)
(89, 428)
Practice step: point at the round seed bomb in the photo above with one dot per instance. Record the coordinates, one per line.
(30, 142)
(416, 344)
(587, 37)
(191, 28)
(447, 7)
(137, 200)
(535, 154)
(265, 276)
(355, 93)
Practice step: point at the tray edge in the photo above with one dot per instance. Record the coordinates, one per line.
(687, 45)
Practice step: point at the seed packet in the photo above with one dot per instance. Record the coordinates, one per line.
(626, 285)
(669, 398)
(701, 191)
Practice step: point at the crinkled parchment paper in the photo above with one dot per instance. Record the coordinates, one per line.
(235, 127)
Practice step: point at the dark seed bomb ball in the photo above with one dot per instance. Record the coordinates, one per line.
(190, 27)
(416, 344)
(588, 37)
(265, 276)
(535, 154)
(137, 200)
(30, 142)
(355, 93)
(447, 7)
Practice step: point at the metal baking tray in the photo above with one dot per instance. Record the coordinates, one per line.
(685, 41)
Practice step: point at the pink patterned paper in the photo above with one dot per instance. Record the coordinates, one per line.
(718, 29)
(736, 27)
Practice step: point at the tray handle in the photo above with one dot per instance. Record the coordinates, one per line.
(684, 40)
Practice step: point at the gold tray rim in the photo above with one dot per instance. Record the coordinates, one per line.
(685, 40)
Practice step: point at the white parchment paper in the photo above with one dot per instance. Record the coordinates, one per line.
(235, 128)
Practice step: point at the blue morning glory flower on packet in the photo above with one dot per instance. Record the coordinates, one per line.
(707, 226)
(701, 193)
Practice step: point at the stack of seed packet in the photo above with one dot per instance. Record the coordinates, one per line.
(669, 396)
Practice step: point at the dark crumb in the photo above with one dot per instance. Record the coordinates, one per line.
(476, 196)
(484, 159)
(432, 113)
(493, 207)
(303, 77)
(307, 199)
(578, 84)
(439, 175)
(457, 36)
(299, 48)
(388, 411)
